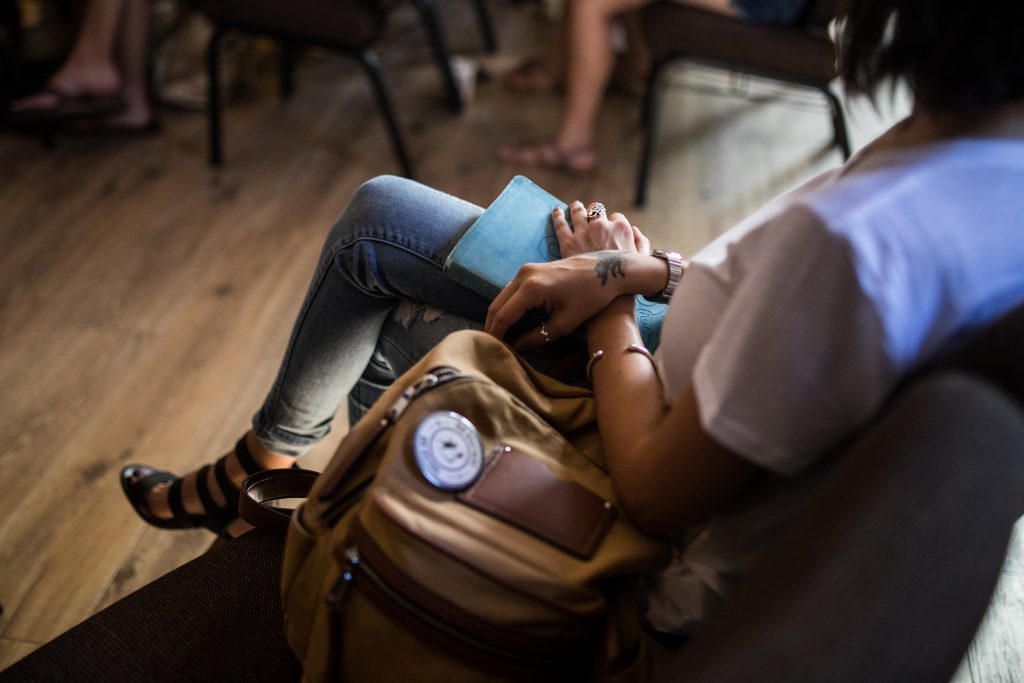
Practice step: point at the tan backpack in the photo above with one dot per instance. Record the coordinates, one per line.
(465, 530)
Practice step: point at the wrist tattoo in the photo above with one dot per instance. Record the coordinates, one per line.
(610, 265)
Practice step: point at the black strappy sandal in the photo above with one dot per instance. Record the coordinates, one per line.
(216, 518)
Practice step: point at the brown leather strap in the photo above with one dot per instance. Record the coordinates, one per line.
(264, 487)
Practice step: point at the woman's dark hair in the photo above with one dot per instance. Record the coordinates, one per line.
(955, 55)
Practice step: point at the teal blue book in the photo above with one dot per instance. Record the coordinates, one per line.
(516, 229)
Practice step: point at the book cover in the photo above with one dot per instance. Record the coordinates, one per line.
(516, 229)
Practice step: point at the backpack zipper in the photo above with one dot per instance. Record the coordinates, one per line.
(434, 377)
(355, 565)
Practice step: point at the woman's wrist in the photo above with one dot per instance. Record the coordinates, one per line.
(650, 275)
(618, 312)
(631, 272)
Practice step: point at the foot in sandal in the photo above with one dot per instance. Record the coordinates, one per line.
(207, 497)
(549, 154)
(55, 105)
(74, 92)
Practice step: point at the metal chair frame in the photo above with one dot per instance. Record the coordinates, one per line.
(366, 57)
(841, 138)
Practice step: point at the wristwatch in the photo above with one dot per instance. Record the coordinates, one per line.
(676, 266)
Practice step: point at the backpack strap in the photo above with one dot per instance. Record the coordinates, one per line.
(261, 489)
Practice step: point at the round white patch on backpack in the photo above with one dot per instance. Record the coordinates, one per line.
(448, 450)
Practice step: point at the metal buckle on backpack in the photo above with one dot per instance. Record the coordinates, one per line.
(424, 383)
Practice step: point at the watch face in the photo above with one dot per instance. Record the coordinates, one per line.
(448, 450)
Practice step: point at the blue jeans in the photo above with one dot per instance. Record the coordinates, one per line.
(372, 310)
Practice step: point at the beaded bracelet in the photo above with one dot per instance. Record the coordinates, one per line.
(632, 348)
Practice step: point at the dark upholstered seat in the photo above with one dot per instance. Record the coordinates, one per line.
(348, 24)
(803, 55)
(217, 618)
(676, 30)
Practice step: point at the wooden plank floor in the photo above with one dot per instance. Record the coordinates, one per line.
(145, 299)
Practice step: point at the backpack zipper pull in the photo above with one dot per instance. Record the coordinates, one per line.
(334, 601)
(428, 381)
(345, 579)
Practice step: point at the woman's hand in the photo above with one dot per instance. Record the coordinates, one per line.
(602, 233)
(594, 269)
(570, 290)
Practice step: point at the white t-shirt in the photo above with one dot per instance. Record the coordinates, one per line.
(794, 326)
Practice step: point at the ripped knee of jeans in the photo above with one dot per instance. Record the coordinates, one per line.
(408, 313)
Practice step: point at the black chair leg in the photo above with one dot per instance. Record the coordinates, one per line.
(432, 22)
(9, 76)
(287, 69)
(842, 138)
(647, 146)
(213, 95)
(483, 16)
(372, 65)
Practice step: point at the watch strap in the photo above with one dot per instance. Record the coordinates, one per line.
(676, 267)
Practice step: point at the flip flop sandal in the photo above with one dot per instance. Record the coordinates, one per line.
(580, 161)
(68, 107)
(216, 518)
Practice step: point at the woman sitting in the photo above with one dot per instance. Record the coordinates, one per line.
(582, 58)
(782, 337)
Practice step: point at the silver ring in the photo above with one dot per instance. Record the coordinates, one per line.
(596, 210)
(544, 333)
